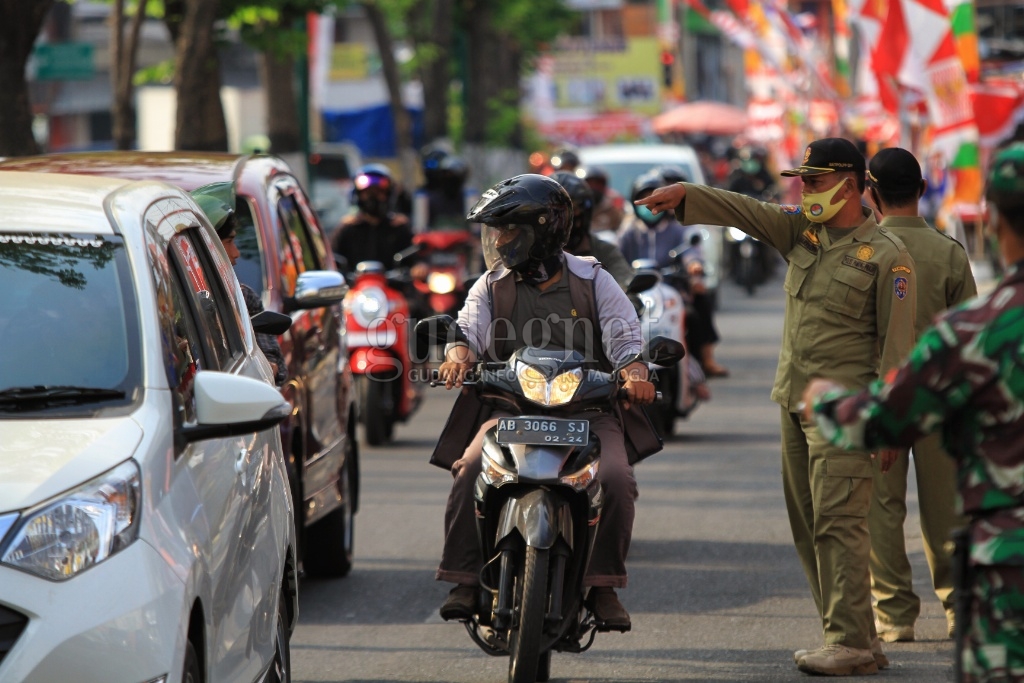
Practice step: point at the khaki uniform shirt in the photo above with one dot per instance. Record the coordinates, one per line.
(851, 304)
(942, 265)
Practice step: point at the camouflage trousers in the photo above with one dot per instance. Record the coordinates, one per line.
(994, 651)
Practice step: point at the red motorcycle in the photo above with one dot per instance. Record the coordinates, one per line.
(377, 336)
(448, 254)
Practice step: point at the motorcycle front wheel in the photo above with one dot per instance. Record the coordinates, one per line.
(378, 411)
(531, 600)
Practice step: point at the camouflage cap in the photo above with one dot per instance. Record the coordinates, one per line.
(1006, 177)
(217, 200)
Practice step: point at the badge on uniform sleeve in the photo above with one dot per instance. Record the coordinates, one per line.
(791, 209)
(901, 286)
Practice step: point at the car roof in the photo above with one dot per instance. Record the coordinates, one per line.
(187, 170)
(29, 201)
(601, 154)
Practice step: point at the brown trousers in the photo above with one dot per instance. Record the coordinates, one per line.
(461, 560)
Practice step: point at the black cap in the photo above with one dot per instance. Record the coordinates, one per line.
(894, 169)
(829, 155)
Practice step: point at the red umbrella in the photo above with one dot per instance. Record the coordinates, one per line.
(703, 116)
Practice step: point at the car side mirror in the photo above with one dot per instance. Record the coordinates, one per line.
(271, 322)
(231, 405)
(318, 288)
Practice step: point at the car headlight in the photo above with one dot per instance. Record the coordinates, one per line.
(441, 283)
(556, 392)
(81, 528)
(581, 480)
(737, 235)
(368, 305)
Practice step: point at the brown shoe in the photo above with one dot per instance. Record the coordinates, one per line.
(876, 650)
(609, 614)
(838, 660)
(461, 604)
(895, 634)
(951, 622)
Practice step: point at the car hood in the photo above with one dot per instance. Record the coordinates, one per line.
(42, 458)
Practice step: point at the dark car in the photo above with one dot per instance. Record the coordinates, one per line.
(286, 258)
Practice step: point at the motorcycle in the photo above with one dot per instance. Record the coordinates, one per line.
(538, 500)
(746, 258)
(657, 295)
(448, 254)
(377, 325)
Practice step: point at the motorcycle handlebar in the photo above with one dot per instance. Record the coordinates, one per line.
(436, 381)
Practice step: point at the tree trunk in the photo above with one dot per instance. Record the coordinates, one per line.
(123, 71)
(403, 122)
(199, 124)
(278, 76)
(21, 24)
(433, 29)
(481, 46)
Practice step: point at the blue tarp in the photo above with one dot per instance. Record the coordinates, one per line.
(371, 130)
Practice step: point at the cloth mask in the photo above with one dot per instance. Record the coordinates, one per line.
(818, 207)
(649, 218)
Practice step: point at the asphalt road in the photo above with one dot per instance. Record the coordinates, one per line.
(716, 592)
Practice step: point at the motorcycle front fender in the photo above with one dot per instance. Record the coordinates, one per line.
(539, 517)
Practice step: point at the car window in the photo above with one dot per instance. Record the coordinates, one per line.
(185, 352)
(249, 267)
(208, 301)
(68, 315)
(298, 232)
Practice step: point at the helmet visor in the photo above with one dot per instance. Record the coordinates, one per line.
(506, 245)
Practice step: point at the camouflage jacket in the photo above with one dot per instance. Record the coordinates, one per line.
(965, 377)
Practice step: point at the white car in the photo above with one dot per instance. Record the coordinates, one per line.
(624, 162)
(146, 526)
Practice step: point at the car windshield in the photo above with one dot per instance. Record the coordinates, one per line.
(68, 323)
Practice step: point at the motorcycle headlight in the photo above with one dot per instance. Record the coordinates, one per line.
(441, 283)
(81, 528)
(581, 480)
(494, 473)
(737, 235)
(368, 305)
(554, 393)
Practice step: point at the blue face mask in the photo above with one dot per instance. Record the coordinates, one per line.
(646, 216)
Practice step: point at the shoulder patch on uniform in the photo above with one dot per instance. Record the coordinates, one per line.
(860, 264)
(900, 269)
(902, 287)
(865, 253)
(791, 208)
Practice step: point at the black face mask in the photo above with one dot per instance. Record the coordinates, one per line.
(372, 206)
(535, 272)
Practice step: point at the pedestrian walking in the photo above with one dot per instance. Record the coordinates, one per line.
(895, 186)
(849, 311)
(964, 380)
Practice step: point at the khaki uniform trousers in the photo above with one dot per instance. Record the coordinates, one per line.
(891, 582)
(828, 494)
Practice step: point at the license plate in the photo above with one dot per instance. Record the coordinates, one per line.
(539, 431)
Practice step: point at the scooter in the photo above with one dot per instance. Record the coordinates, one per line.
(448, 254)
(377, 325)
(657, 296)
(538, 500)
(746, 258)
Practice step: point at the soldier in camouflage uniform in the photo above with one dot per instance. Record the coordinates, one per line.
(850, 309)
(965, 378)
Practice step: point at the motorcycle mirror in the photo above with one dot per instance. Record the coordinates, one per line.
(271, 322)
(407, 253)
(664, 351)
(642, 281)
(440, 330)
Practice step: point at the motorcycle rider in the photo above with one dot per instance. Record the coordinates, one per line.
(581, 242)
(527, 220)
(445, 175)
(649, 235)
(608, 204)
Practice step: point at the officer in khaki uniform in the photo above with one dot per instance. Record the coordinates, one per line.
(944, 279)
(849, 311)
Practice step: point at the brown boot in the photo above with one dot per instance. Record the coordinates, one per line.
(609, 613)
(838, 660)
(876, 650)
(461, 603)
(707, 361)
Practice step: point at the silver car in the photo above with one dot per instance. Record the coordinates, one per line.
(146, 526)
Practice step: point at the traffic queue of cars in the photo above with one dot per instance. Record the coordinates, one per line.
(154, 483)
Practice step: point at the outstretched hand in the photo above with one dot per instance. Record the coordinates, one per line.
(664, 198)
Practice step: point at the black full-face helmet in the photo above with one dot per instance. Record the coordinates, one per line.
(582, 206)
(373, 189)
(526, 221)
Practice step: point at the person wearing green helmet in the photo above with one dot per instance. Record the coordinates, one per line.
(964, 380)
(217, 200)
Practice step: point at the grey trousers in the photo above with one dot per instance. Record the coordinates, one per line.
(461, 560)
